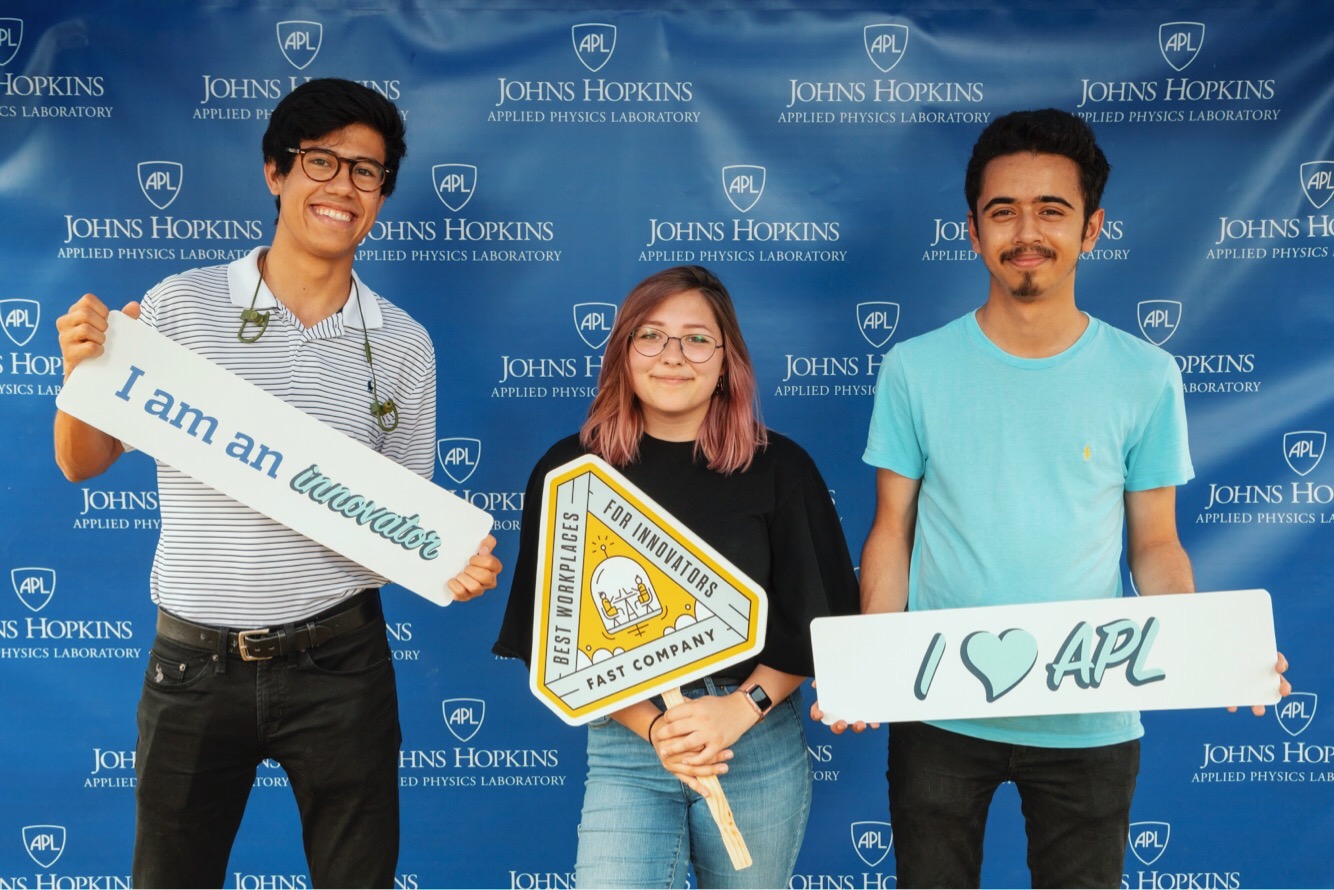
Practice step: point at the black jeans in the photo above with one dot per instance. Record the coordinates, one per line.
(1076, 805)
(329, 716)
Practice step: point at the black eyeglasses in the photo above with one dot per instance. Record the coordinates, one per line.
(322, 165)
(697, 348)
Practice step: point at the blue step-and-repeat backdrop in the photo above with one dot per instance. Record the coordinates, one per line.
(812, 154)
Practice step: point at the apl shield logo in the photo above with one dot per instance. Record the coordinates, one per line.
(1296, 712)
(593, 44)
(1148, 840)
(18, 319)
(454, 184)
(1180, 42)
(459, 457)
(885, 44)
(160, 181)
(743, 184)
(463, 716)
(872, 841)
(1318, 182)
(300, 42)
(1302, 449)
(44, 843)
(34, 586)
(1158, 319)
(593, 322)
(11, 38)
(877, 321)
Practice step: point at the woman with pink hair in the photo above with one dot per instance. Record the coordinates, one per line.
(676, 412)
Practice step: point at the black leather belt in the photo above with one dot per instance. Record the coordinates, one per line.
(264, 643)
(694, 685)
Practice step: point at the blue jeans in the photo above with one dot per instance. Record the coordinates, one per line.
(328, 715)
(641, 825)
(1076, 805)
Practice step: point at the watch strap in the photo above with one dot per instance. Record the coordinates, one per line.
(757, 698)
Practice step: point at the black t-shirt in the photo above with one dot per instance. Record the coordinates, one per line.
(775, 522)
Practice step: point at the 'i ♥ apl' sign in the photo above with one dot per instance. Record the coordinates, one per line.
(1134, 653)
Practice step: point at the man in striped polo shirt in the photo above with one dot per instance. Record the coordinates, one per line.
(316, 693)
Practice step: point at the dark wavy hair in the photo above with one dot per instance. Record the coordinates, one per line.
(321, 106)
(1047, 131)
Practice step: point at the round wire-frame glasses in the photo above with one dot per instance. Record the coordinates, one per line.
(696, 348)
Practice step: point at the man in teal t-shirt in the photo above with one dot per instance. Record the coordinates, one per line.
(1013, 446)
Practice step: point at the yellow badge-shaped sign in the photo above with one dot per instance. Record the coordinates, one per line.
(629, 602)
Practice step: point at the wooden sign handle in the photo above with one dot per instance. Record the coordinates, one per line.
(718, 806)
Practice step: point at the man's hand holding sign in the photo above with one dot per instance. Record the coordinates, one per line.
(142, 389)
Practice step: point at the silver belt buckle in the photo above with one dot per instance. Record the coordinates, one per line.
(242, 636)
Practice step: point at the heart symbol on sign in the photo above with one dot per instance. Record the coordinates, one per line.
(1000, 662)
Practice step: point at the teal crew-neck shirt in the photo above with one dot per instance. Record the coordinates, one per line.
(1024, 464)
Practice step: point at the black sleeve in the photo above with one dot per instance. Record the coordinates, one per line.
(516, 629)
(812, 575)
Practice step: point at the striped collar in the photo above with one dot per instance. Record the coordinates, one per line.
(243, 275)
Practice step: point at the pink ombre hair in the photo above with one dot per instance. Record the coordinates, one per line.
(732, 430)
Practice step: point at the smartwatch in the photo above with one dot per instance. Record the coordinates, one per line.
(758, 698)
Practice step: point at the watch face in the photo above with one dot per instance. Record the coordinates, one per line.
(760, 697)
